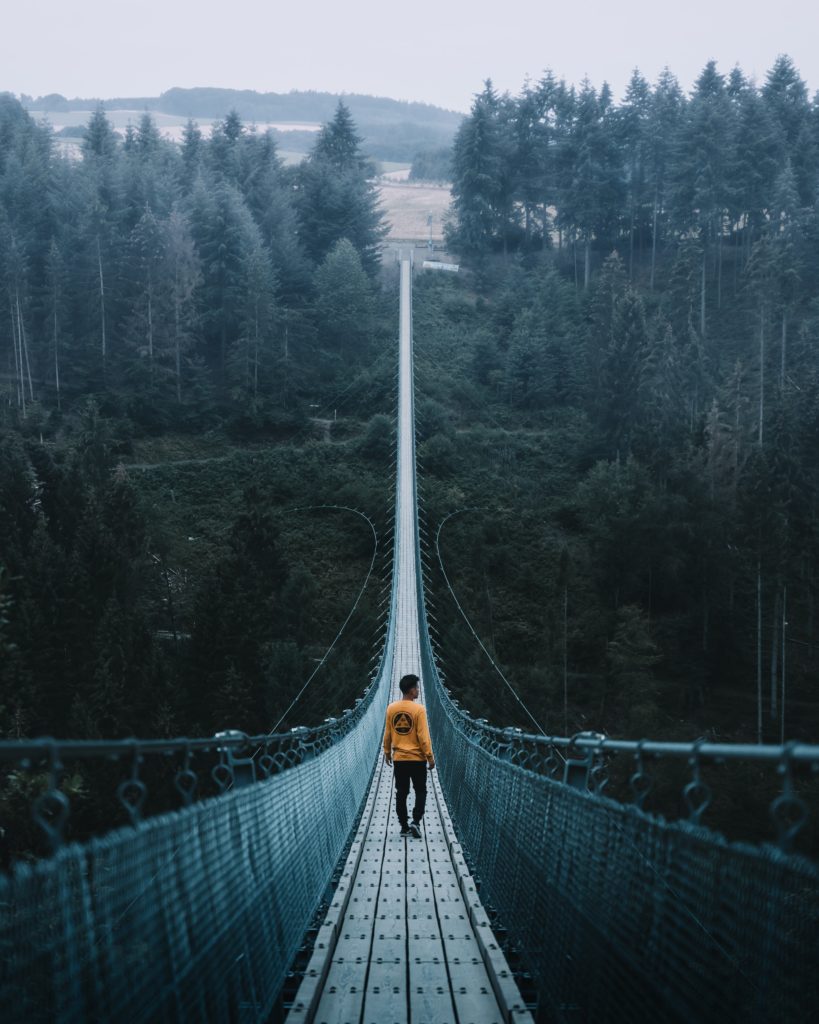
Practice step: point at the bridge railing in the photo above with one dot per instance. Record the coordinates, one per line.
(618, 913)
(183, 769)
(192, 915)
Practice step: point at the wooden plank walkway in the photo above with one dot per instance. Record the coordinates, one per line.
(406, 939)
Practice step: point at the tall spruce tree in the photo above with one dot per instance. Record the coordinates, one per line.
(336, 198)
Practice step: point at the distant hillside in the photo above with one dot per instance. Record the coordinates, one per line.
(392, 129)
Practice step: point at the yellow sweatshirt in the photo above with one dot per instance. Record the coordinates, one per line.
(406, 737)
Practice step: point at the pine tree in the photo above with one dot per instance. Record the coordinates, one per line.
(786, 96)
(701, 180)
(56, 281)
(633, 120)
(622, 372)
(183, 272)
(252, 358)
(667, 107)
(335, 198)
(192, 149)
(344, 303)
(529, 134)
(477, 176)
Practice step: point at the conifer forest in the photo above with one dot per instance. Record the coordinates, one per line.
(618, 394)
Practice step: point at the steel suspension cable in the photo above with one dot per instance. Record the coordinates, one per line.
(353, 609)
(480, 642)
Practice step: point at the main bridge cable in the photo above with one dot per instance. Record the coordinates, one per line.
(173, 854)
(661, 880)
(652, 867)
(480, 642)
(352, 611)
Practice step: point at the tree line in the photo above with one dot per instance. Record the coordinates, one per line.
(175, 281)
(149, 288)
(565, 166)
(649, 292)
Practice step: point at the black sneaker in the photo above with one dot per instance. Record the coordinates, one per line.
(414, 830)
(406, 831)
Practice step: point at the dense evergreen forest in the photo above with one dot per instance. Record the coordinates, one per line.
(642, 323)
(622, 381)
(169, 314)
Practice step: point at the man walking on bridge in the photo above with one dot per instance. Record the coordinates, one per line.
(407, 744)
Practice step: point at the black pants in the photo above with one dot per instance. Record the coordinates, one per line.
(404, 772)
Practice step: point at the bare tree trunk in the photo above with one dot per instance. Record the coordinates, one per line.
(21, 327)
(102, 303)
(784, 676)
(719, 266)
(256, 354)
(761, 376)
(177, 349)
(702, 293)
(654, 238)
(489, 609)
(151, 332)
(286, 366)
(775, 653)
(705, 617)
(56, 340)
(735, 481)
(784, 347)
(565, 659)
(587, 264)
(18, 361)
(759, 650)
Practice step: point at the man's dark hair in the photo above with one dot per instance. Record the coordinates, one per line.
(407, 683)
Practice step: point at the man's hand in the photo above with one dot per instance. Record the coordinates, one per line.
(388, 759)
(431, 767)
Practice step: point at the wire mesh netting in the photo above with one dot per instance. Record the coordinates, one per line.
(624, 916)
(192, 916)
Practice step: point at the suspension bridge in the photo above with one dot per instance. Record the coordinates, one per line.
(288, 893)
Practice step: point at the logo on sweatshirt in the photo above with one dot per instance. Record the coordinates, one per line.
(402, 723)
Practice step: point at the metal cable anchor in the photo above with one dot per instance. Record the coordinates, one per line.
(697, 794)
(640, 782)
(50, 810)
(132, 792)
(186, 779)
(789, 811)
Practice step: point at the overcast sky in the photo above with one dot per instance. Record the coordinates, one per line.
(431, 50)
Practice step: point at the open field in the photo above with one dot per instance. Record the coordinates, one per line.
(408, 209)
(169, 125)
